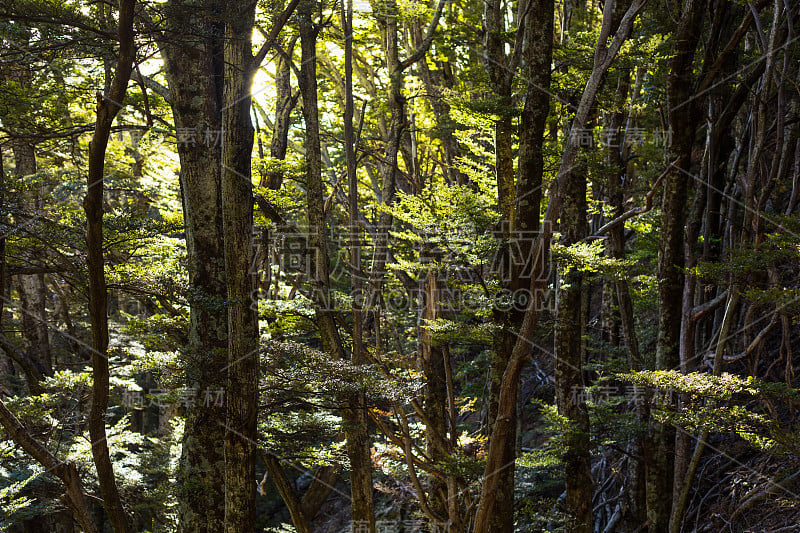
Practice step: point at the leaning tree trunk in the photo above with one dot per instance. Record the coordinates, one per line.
(505, 427)
(75, 497)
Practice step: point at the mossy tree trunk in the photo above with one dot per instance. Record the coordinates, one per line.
(193, 66)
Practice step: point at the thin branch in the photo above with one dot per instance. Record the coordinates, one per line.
(153, 85)
(423, 499)
(636, 210)
(427, 40)
(272, 36)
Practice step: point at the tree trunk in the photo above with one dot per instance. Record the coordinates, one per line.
(107, 108)
(32, 295)
(501, 72)
(241, 400)
(388, 168)
(683, 122)
(505, 427)
(193, 66)
(537, 58)
(31, 287)
(6, 365)
(358, 440)
(436, 83)
(287, 492)
(569, 367)
(432, 361)
(354, 414)
(284, 104)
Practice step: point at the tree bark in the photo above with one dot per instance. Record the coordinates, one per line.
(31, 287)
(287, 492)
(432, 359)
(319, 490)
(504, 428)
(537, 60)
(569, 354)
(284, 105)
(193, 66)
(241, 400)
(683, 123)
(32, 292)
(501, 71)
(107, 108)
(6, 365)
(354, 414)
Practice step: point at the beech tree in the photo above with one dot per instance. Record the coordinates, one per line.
(393, 266)
(194, 75)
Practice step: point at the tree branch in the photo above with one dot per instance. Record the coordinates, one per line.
(272, 36)
(636, 210)
(427, 40)
(153, 85)
(64, 470)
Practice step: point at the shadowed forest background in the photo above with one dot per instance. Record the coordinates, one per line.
(384, 266)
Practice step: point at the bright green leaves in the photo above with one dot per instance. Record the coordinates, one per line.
(448, 223)
(589, 257)
(726, 403)
(723, 387)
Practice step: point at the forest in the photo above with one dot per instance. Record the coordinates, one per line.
(394, 266)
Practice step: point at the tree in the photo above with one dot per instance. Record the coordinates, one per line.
(107, 108)
(671, 255)
(194, 72)
(237, 221)
(401, 357)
